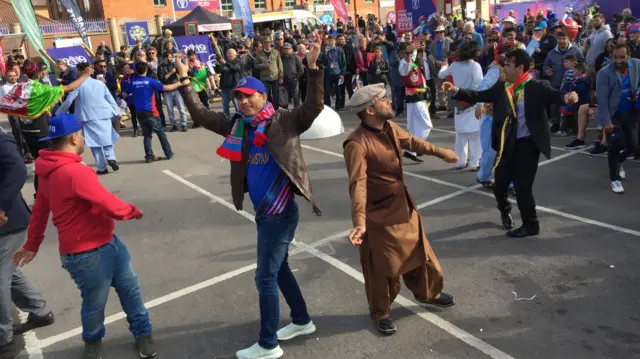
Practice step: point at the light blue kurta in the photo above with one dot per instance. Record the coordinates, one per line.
(96, 108)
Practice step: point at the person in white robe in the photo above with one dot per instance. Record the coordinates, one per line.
(97, 109)
(467, 74)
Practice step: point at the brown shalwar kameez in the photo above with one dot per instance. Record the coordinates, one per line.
(395, 243)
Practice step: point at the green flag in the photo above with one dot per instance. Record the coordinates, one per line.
(29, 24)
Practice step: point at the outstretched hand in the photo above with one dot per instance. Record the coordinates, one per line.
(448, 87)
(449, 156)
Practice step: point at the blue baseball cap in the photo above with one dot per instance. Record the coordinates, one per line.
(541, 25)
(249, 86)
(62, 125)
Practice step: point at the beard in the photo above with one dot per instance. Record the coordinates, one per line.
(383, 116)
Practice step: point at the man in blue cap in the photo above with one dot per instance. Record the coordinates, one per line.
(84, 213)
(544, 42)
(263, 145)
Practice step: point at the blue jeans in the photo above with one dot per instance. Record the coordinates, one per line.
(150, 124)
(173, 98)
(226, 97)
(102, 155)
(275, 232)
(94, 273)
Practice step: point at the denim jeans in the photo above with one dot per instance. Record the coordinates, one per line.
(94, 273)
(150, 124)
(173, 98)
(226, 97)
(275, 232)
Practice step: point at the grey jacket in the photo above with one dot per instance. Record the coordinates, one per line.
(555, 60)
(597, 41)
(609, 88)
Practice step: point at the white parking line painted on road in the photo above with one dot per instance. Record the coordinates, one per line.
(448, 327)
(474, 189)
(32, 345)
(414, 307)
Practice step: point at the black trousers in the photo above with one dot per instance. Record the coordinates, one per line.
(330, 87)
(35, 145)
(622, 141)
(346, 85)
(520, 169)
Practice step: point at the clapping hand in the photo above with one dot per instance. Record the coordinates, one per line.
(571, 98)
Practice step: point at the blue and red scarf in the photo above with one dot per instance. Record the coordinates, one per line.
(231, 148)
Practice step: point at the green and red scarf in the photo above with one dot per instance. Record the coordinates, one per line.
(231, 148)
(30, 99)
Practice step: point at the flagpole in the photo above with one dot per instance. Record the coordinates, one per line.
(173, 9)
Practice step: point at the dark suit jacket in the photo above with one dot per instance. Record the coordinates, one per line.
(13, 174)
(537, 96)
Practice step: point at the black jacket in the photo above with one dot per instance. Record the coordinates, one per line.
(13, 174)
(230, 73)
(537, 95)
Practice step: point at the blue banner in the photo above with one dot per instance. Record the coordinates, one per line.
(409, 12)
(242, 10)
(200, 44)
(74, 55)
(137, 30)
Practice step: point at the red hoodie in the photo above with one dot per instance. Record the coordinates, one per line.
(83, 210)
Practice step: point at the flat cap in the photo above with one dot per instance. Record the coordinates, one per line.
(364, 97)
(288, 45)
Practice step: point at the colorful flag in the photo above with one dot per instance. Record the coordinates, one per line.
(341, 10)
(30, 99)
(200, 80)
(30, 27)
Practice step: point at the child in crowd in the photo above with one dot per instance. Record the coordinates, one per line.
(566, 113)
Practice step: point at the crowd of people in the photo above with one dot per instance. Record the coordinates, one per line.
(509, 85)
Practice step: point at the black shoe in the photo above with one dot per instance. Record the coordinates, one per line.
(507, 220)
(146, 346)
(174, 128)
(575, 145)
(444, 300)
(412, 157)
(554, 128)
(106, 171)
(33, 322)
(135, 132)
(92, 350)
(598, 149)
(113, 164)
(524, 231)
(386, 326)
(7, 347)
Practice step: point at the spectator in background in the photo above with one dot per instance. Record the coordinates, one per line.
(120, 59)
(230, 71)
(168, 75)
(102, 56)
(105, 49)
(66, 75)
(269, 63)
(333, 60)
(350, 70)
(293, 70)
(167, 38)
(129, 76)
(103, 74)
(596, 42)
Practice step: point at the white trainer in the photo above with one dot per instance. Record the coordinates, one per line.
(622, 172)
(293, 330)
(616, 187)
(258, 352)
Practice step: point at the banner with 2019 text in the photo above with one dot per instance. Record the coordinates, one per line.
(408, 13)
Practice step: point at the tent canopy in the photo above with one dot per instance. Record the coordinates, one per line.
(207, 21)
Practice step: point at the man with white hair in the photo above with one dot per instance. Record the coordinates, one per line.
(470, 28)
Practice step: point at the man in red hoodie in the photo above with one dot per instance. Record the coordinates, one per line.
(84, 213)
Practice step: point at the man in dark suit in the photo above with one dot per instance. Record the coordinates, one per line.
(15, 288)
(520, 133)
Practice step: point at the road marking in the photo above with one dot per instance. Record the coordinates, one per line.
(474, 189)
(416, 308)
(32, 345)
(412, 306)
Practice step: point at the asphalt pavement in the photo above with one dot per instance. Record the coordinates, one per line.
(571, 292)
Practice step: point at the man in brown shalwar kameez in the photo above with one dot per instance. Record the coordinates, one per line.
(387, 225)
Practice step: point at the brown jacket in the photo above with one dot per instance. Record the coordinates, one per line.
(379, 197)
(283, 133)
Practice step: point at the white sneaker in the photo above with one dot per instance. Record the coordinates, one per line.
(258, 352)
(616, 187)
(622, 172)
(293, 330)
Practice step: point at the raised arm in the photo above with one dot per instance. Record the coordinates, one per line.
(211, 120)
(301, 118)
(75, 84)
(487, 96)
